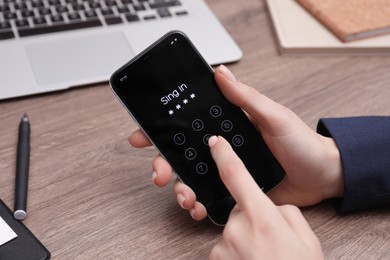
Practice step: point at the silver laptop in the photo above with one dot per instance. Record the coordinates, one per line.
(48, 45)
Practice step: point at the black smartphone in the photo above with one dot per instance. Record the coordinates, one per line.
(170, 91)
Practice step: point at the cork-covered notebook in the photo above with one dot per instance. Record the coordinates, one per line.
(351, 20)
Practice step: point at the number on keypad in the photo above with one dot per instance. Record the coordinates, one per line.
(190, 153)
(215, 111)
(197, 125)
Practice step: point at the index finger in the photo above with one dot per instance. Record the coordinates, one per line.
(236, 177)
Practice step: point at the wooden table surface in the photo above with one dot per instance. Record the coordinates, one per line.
(91, 194)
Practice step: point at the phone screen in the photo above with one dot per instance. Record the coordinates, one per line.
(170, 91)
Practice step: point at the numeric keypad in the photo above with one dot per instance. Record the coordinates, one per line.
(215, 124)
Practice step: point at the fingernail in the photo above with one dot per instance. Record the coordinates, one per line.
(180, 199)
(192, 213)
(227, 73)
(213, 140)
(154, 175)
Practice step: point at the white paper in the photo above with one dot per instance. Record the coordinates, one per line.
(6, 233)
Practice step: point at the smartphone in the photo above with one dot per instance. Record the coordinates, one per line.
(170, 91)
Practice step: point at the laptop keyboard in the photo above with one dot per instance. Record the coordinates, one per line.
(22, 18)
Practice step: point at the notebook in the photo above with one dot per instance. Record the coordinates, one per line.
(298, 32)
(24, 245)
(48, 45)
(351, 20)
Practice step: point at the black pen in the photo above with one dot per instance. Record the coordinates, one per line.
(22, 168)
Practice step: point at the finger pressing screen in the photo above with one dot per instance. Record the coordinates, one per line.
(236, 177)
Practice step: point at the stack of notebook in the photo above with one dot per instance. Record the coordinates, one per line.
(331, 26)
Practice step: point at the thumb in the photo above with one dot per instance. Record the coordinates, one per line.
(268, 115)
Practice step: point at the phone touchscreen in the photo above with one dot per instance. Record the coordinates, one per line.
(171, 93)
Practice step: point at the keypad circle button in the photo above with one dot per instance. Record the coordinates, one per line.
(190, 153)
(238, 140)
(179, 138)
(202, 168)
(197, 125)
(215, 111)
(206, 139)
(227, 125)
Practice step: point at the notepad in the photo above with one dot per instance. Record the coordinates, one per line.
(351, 20)
(6, 232)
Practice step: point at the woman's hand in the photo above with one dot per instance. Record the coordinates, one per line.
(311, 161)
(257, 229)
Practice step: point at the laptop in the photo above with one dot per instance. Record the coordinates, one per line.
(298, 32)
(48, 45)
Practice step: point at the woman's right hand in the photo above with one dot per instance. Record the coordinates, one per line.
(311, 161)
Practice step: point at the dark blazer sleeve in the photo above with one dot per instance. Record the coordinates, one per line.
(364, 144)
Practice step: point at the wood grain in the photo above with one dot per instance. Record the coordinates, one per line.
(91, 195)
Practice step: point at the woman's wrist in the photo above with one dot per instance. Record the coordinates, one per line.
(334, 187)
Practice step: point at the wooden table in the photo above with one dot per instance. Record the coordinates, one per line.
(91, 194)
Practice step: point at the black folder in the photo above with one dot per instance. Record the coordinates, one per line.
(25, 246)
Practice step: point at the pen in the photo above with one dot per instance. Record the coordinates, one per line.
(22, 168)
